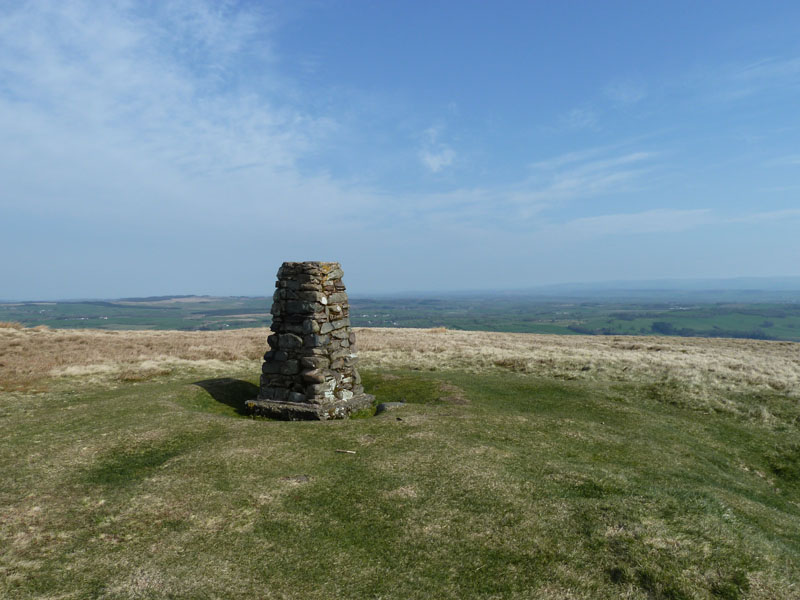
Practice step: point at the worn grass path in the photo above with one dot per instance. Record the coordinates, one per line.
(486, 485)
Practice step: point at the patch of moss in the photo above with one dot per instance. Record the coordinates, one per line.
(125, 466)
(784, 461)
(387, 387)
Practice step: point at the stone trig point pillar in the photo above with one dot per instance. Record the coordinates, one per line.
(310, 371)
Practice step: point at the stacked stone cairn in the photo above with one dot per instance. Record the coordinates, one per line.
(310, 371)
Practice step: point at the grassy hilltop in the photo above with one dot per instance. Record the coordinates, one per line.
(522, 466)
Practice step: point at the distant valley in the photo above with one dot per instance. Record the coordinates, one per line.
(735, 313)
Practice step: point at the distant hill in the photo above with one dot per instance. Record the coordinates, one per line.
(734, 283)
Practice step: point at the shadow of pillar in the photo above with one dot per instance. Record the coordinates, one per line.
(231, 392)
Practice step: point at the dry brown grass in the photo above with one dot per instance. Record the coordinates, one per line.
(31, 355)
(702, 366)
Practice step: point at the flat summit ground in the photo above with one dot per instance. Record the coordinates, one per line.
(520, 466)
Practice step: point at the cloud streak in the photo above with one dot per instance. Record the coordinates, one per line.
(767, 216)
(551, 187)
(436, 160)
(137, 115)
(625, 93)
(589, 173)
(646, 222)
(125, 108)
(579, 118)
(435, 154)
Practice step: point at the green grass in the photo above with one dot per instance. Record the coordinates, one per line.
(391, 387)
(532, 488)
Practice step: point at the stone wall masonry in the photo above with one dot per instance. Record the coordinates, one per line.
(309, 371)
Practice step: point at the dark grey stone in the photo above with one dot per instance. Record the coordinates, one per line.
(290, 367)
(269, 368)
(315, 362)
(311, 326)
(300, 306)
(310, 296)
(315, 341)
(276, 355)
(290, 341)
(319, 389)
(314, 376)
(387, 406)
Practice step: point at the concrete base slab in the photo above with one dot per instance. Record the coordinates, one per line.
(305, 411)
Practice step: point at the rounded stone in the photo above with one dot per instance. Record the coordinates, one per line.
(387, 406)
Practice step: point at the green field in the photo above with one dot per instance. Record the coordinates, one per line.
(183, 313)
(511, 487)
(777, 321)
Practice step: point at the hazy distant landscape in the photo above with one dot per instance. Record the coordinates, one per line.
(754, 314)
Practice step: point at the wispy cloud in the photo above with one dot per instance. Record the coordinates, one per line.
(552, 186)
(137, 115)
(740, 81)
(625, 93)
(621, 94)
(579, 118)
(650, 221)
(435, 154)
(107, 107)
(762, 217)
(773, 69)
(589, 173)
(783, 161)
(438, 159)
(659, 220)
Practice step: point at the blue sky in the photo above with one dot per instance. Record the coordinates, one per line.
(188, 147)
